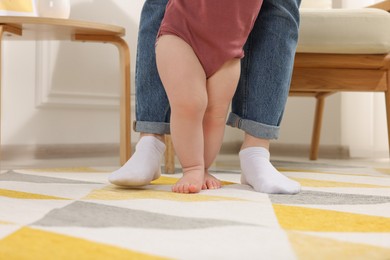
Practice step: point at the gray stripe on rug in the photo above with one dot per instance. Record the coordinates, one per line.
(327, 198)
(85, 214)
(20, 177)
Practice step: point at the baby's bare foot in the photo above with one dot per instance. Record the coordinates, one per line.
(210, 182)
(191, 182)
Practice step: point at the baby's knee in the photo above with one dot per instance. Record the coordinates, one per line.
(190, 106)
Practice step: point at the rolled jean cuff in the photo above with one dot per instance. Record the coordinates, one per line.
(159, 128)
(253, 128)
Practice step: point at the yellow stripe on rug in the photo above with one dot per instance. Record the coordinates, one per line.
(32, 244)
(113, 193)
(26, 195)
(319, 220)
(319, 183)
(309, 247)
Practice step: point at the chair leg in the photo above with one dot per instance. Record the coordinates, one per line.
(1, 41)
(387, 98)
(315, 140)
(169, 155)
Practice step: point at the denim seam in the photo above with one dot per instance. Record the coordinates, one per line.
(246, 83)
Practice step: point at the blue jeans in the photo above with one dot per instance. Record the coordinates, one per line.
(259, 102)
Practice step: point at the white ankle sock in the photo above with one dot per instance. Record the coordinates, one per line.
(258, 172)
(143, 167)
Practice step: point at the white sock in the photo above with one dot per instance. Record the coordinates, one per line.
(258, 172)
(143, 167)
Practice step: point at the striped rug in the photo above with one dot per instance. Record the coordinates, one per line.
(341, 213)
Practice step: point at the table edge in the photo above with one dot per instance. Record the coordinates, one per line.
(72, 23)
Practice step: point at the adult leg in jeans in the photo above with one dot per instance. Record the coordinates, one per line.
(259, 102)
(152, 108)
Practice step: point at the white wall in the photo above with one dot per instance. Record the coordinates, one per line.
(76, 101)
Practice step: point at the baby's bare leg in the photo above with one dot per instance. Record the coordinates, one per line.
(220, 90)
(184, 80)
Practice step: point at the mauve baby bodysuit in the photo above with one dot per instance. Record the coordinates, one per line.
(216, 29)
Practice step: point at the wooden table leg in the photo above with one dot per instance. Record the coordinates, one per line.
(125, 101)
(387, 98)
(1, 41)
(169, 156)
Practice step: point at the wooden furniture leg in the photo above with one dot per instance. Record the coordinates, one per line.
(1, 41)
(169, 155)
(315, 140)
(333, 73)
(387, 98)
(125, 101)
